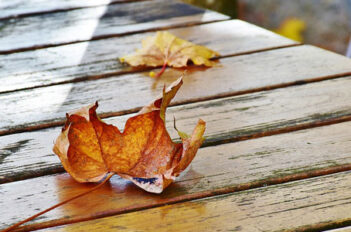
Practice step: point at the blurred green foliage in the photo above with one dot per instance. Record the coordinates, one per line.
(228, 7)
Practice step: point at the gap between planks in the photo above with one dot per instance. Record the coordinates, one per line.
(341, 226)
(331, 226)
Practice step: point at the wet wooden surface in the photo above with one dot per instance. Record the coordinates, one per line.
(299, 206)
(234, 166)
(233, 75)
(231, 119)
(21, 8)
(277, 153)
(99, 58)
(46, 30)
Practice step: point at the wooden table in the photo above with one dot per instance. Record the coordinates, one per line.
(277, 154)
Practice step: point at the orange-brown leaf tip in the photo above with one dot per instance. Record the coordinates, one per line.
(164, 98)
(78, 147)
(61, 144)
(190, 147)
(197, 136)
(181, 134)
(83, 112)
(168, 95)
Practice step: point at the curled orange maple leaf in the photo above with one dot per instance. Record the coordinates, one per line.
(144, 153)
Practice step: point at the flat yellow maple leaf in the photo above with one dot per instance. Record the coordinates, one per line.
(165, 49)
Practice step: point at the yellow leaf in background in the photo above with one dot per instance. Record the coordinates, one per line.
(292, 28)
(165, 49)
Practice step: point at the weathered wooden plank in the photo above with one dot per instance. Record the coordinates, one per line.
(228, 119)
(287, 207)
(215, 170)
(20, 8)
(46, 30)
(345, 229)
(99, 58)
(43, 107)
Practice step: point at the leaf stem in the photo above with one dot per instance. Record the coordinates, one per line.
(162, 70)
(57, 205)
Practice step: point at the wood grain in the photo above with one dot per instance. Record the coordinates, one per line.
(21, 8)
(66, 27)
(99, 58)
(285, 207)
(215, 170)
(44, 107)
(29, 154)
